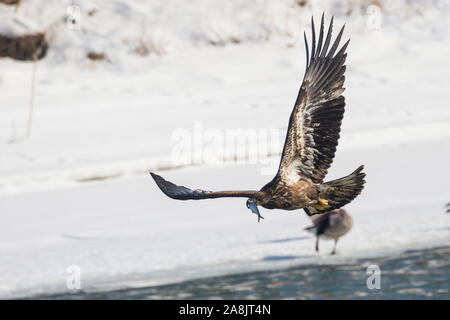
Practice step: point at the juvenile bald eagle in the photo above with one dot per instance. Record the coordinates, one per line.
(310, 144)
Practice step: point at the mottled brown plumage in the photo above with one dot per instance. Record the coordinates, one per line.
(310, 144)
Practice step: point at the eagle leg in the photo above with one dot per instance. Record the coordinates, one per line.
(321, 204)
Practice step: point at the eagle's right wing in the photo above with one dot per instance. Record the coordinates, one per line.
(315, 121)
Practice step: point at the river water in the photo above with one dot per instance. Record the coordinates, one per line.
(420, 274)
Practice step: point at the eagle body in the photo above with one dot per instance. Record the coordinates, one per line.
(288, 197)
(310, 144)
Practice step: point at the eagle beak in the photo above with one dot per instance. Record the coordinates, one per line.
(254, 208)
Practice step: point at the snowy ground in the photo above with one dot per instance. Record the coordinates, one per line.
(124, 231)
(115, 119)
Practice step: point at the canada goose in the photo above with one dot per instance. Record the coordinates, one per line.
(331, 225)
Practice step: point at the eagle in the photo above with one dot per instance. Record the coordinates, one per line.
(310, 144)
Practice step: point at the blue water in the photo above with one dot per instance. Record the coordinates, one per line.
(420, 274)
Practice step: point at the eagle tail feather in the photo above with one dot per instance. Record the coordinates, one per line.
(339, 192)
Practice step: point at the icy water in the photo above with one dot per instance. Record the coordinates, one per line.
(412, 275)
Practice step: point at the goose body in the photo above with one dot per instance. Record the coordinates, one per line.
(331, 225)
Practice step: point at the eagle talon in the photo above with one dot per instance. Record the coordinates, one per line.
(321, 204)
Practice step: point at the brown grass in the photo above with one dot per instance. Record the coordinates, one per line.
(10, 2)
(26, 48)
(96, 56)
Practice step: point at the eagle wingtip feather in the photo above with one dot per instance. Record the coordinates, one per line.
(154, 176)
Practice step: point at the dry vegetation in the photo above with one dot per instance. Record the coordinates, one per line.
(10, 2)
(96, 56)
(26, 47)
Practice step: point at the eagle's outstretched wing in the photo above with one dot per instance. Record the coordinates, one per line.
(315, 122)
(182, 193)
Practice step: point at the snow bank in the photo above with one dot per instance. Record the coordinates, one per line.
(126, 29)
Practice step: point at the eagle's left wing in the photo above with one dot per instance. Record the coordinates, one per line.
(182, 193)
(315, 122)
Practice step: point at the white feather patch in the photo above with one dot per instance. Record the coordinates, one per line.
(291, 175)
